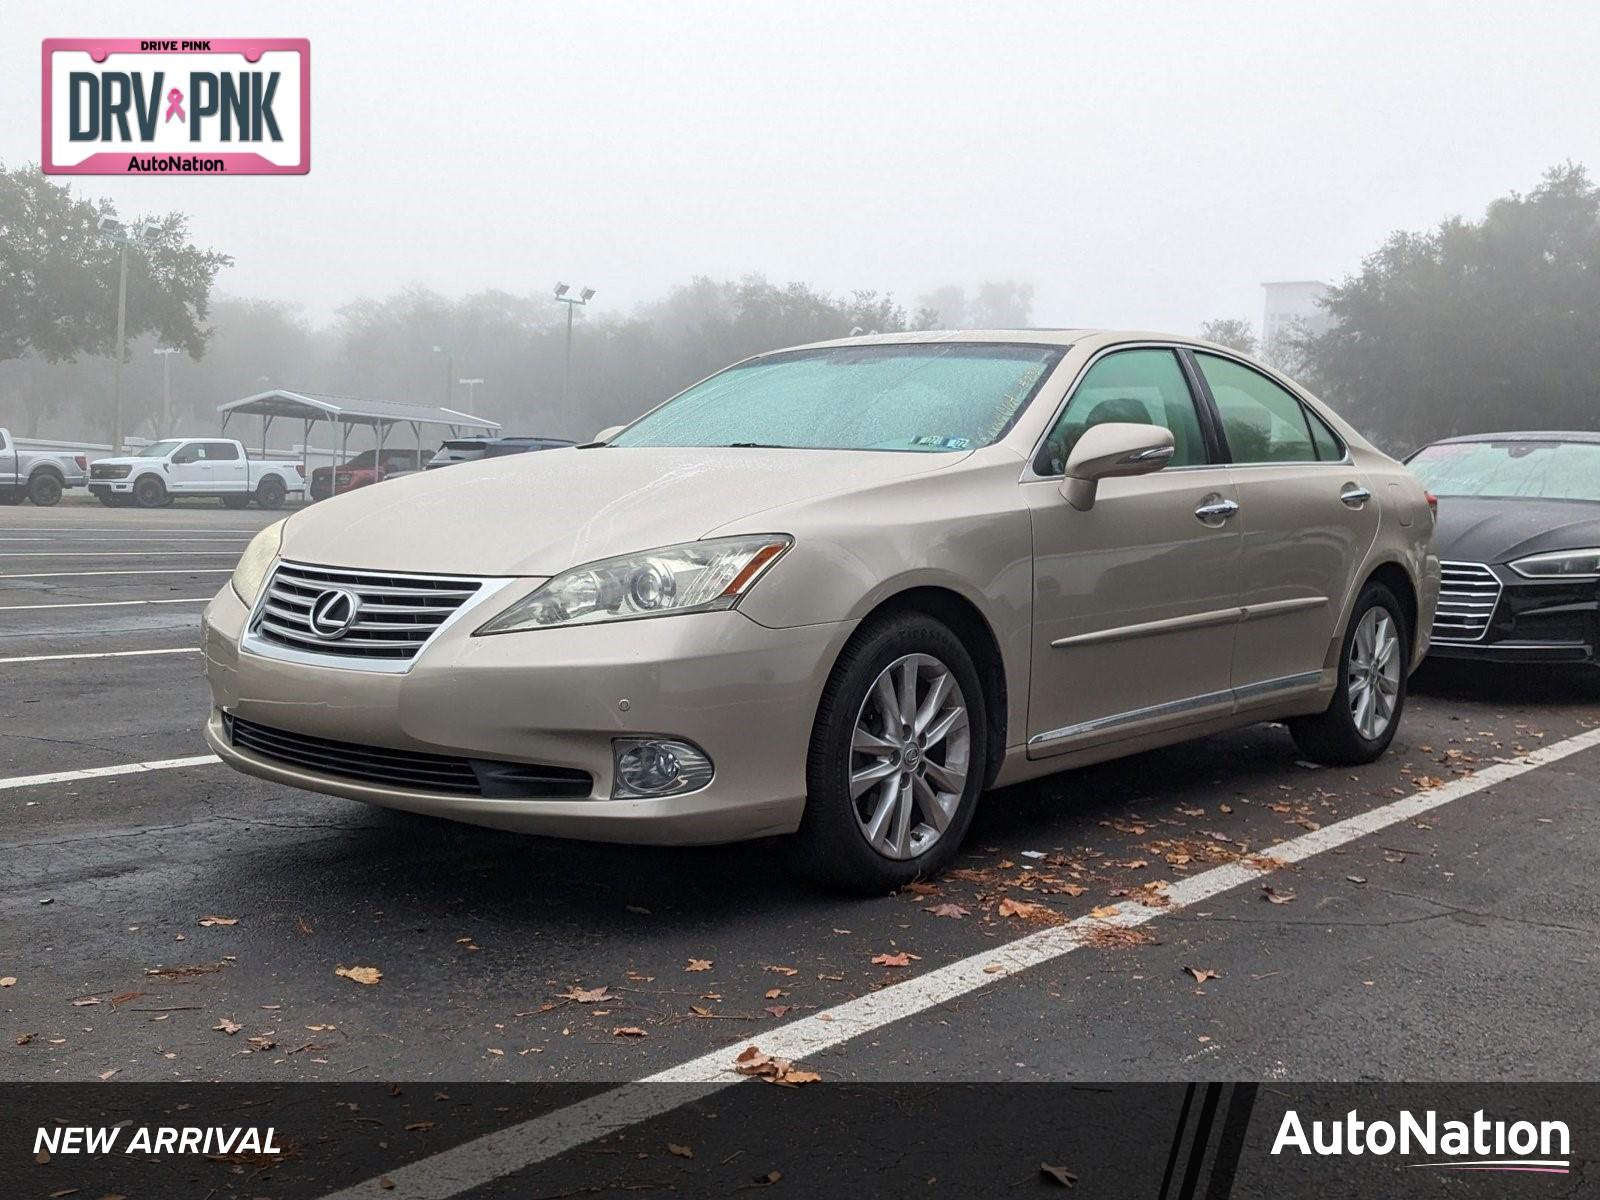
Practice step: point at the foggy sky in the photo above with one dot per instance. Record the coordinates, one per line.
(1144, 166)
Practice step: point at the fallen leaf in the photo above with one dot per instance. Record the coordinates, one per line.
(751, 1061)
(627, 1031)
(777, 1010)
(782, 970)
(954, 911)
(228, 1027)
(104, 1075)
(1273, 896)
(261, 1042)
(587, 995)
(992, 968)
(85, 1001)
(679, 1151)
(24, 1038)
(774, 993)
(1201, 974)
(386, 1183)
(892, 960)
(919, 888)
(208, 922)
(8, 981)
(699, 964)
(1058, 1175)
(767, 1180)
(1024, 910)
(1104, 911)
(419, 1127)
(366, 975)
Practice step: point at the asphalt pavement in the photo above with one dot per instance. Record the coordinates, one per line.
(187, 923)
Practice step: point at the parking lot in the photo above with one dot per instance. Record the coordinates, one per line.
(1216, 910)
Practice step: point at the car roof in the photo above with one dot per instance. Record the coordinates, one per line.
(1063, 338)
(1524, 435)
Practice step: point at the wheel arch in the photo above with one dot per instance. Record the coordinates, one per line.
(973, 628)
(47, 468)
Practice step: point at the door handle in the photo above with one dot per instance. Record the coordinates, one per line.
(1353, 495)
(1216, 509)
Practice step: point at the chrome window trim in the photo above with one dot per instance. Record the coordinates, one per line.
(251, 643)
(1171, 708)
(1029, 475)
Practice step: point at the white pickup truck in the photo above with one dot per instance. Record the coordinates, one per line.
(163, 471)
(37, 475)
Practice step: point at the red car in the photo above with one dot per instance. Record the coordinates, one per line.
(364, 469)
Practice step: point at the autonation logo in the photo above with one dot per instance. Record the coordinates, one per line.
(1480, 1144)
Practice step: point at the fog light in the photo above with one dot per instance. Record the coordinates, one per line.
(658, 767)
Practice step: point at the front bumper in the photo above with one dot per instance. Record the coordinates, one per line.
(105, 487)
(1553, 622)
(744, 693)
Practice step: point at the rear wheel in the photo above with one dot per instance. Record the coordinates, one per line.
(1374, 662)
(270, 492)
(44, 489)
(241, 501)
(897, 759)
(150, 492)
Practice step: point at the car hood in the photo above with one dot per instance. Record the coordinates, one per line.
(127, 460)
(537, 514)
(1471, 529)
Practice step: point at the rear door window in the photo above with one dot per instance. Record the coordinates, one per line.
(1262, 422)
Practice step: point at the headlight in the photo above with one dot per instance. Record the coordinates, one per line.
(257, 561)
(693, 577)
(1560, 564)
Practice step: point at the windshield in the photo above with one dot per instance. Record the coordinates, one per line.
(161, 449)
(1510, 469)
(931, 398)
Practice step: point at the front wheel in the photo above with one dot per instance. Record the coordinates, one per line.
(897, 759)
(44, 489)
(270, 492)
(1374, 662)
(240, 501)
(150, 492)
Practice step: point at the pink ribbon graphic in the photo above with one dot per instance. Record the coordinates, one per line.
(175, 105)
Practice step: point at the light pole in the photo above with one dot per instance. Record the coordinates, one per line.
(472, 389)
(582, 298)
(113, 230)
(449, 370)
(166, 353)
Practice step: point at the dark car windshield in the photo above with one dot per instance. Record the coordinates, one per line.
(1511, 469)
(920, 397)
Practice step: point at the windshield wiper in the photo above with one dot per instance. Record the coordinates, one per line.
(753, 446)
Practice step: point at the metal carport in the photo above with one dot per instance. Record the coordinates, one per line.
(345, 411)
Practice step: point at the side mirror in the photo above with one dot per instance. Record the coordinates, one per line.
(1110, 450)
(609, 432)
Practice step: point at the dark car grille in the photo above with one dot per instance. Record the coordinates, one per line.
(1468, 594)
(107, 471)
(436, 773)
(397, 616)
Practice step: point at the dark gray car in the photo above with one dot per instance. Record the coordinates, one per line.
(460, 450)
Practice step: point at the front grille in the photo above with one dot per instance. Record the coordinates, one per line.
(106, 471)
(437, 773)
(396, 614)
(1468, 594)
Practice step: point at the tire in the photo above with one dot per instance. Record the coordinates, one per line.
(241, 501)
(111, 500)
(832, 847)
(150, 492)
(270, 492)
(44, 489)
(1356, 731)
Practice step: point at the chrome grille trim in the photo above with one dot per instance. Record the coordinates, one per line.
(400, 614)
(1469, 593)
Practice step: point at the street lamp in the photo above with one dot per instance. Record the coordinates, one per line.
(113, 230)
(449, 370)
(472, 389)
(582, 298)
(166, 353)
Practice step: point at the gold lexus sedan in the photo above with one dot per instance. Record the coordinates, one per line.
(834, 593)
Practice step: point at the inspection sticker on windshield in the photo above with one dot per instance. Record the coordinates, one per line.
(176, 106)
(942, 443)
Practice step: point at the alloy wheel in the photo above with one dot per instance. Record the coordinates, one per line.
(910, 756)
(1374, 673)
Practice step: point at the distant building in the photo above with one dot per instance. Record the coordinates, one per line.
(1291, 310)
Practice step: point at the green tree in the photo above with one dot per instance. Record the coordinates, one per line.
(58, 281)
(1475, 325)
(1233, 332)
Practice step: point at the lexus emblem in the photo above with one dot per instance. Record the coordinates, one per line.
(333, 613)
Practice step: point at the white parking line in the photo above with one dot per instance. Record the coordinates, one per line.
(160, 764)
(33, 658)
(141, 539)
(97, 604)
(495, 1155)
(152, 571)
(116, 553)
(242, 531)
